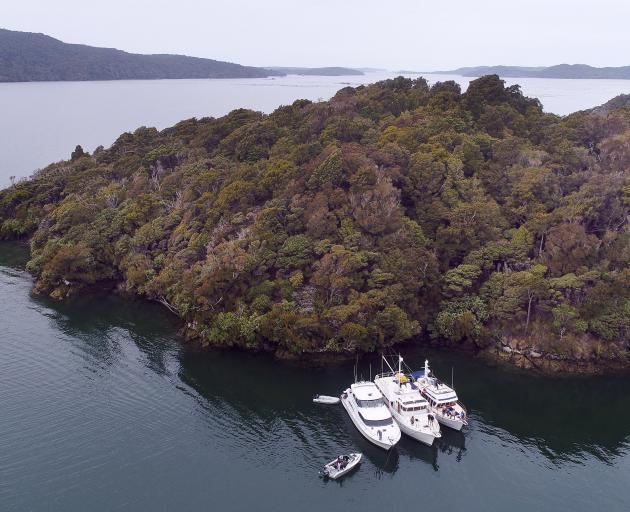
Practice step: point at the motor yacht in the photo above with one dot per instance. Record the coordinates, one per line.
(442, 398)
(367, 410)
(408, 407)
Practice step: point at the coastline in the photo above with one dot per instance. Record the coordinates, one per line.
(505, 353)
(553, 364)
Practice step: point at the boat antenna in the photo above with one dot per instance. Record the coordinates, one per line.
(452, 372)
(370, 371)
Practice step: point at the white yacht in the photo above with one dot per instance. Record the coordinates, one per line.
(368, 412)
(443, 400)
(410, 410)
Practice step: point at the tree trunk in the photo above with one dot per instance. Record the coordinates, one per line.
(530, 296)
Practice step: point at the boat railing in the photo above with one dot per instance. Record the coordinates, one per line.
(442, 411)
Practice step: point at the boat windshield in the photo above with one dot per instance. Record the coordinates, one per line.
(416, 408)
(369, 403)
(378, 423)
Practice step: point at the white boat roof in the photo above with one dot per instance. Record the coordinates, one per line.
(442, 393)
(434, 388)
(375, 413)
(406, 393)
(366, 391)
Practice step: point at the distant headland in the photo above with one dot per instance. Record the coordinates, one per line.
(559, 71)
(31, 57)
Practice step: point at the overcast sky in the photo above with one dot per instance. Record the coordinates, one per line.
(395, 34)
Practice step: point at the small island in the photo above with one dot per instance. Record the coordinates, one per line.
(394, 213)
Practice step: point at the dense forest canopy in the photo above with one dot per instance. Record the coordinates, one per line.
(392, 212)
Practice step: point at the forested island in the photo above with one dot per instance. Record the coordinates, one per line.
(578, 71)
(30, 57)
(395, 212)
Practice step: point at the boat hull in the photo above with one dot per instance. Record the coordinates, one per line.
(334, 474)
(424, 437)
(455, 424)
(326, 400)
(382, 442)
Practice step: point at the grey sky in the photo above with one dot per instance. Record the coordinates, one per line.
(395, 34)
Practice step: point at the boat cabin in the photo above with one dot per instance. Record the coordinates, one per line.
(437, 393)
(370, 405)
(411, 405)
(366, 394)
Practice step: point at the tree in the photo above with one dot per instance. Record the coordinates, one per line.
(564, 317)
(568, 248)
(77, 153)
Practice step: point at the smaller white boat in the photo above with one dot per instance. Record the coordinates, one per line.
(342, 465)
(325, 399)
(443, 399)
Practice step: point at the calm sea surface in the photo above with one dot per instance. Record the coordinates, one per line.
(41, 123)
(102, 409)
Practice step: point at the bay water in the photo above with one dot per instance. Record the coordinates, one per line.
(103, 407)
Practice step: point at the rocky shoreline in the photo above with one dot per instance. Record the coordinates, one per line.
(502, 353)
(554, 364)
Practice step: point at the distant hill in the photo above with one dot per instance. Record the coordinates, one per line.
(559, 71)
(328, 71)
(30, 57)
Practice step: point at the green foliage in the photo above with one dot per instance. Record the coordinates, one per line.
(330, 171)
(461, 319)
(295, 252)
(77, 153)
(352, 224)
(461, 278)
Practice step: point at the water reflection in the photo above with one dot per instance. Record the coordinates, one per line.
(561, 417)
(565, 419)
(102, 403)
(267, 399)
(100, 325)
(14, 255)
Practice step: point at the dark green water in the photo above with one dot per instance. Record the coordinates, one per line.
(102, 408)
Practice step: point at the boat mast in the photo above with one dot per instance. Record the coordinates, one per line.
(387, 363)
